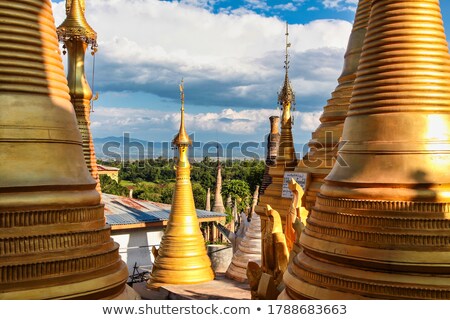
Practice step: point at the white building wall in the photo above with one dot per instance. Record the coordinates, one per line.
(136, 245)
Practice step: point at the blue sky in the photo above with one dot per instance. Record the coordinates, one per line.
(230, 54)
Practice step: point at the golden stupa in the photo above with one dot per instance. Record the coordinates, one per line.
(380, 228)
(181, 257)
(77, 35)
(286, 159)
(249, 249)
(54, 243)
(323, 146)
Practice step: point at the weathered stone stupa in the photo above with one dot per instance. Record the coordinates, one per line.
(249, 249)
(323, 145)
(54, 243)
(77, 35)
(218, 201)
(208, 200)
(380, 228)
(273, 141)
(181, 257)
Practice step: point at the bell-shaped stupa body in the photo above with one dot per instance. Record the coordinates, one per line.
(77, 35)
(273, 141)
(323, 145)
(182, 256)
(54, 243)
(249, 249)
(380, 228)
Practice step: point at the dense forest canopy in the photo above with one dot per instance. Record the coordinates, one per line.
(154, 179)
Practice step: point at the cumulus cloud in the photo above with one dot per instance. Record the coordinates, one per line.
(229, 122)
(286, 7)
(228, 59)
(341, 5)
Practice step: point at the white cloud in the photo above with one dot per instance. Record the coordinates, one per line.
(228, 121)
(229, 59)
(286, 7)
(257, 4)
(341, 5)
(157, 41)
(309, 121)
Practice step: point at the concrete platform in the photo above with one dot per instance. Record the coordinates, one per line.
(221, 288)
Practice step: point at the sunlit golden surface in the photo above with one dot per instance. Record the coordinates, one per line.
(76, 34)
(380, 228)
(182, 256)
(324, 143)
(53, 240)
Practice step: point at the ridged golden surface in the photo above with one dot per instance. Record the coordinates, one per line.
(53, 240)
(380, 228)
(182, 256)
(325, 140)
(79, 89)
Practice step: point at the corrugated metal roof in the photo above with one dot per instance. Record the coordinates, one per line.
(122, 211)
(102, 167)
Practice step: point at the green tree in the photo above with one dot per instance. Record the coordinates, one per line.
(147, 191)
(239, 191)
(110, 186)
(199, 195)
(167, 192)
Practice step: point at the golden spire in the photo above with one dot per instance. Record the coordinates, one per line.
(75, 24)
(286, 99)
(380, 228)
(325, 139)
(55, 244)
(286, 95)
(76, 34)
(182, 138)
(182, 257)
(286, 161)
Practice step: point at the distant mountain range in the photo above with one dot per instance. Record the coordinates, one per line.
(126, 148)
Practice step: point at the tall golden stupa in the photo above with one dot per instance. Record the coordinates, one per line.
(286, 159)
(380, 228)
(77, 35)
(182, 257)
(54, 243)
(323, 145)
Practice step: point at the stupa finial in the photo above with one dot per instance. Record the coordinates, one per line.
(286, 95)
(182, 138)
(75, 25)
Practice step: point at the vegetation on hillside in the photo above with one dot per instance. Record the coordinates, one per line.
(154, 179)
